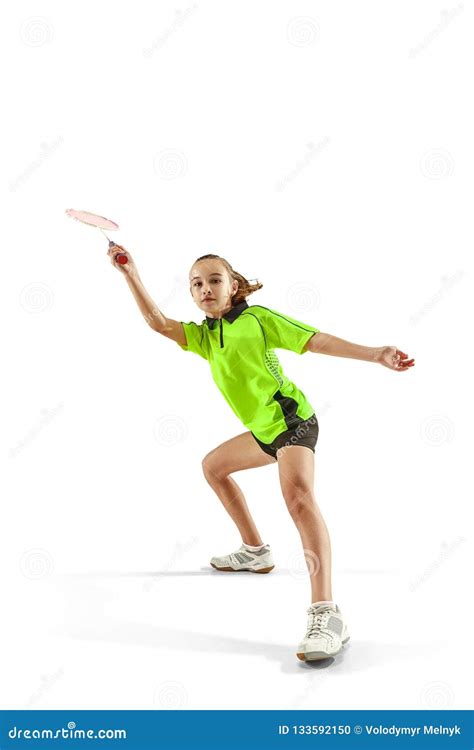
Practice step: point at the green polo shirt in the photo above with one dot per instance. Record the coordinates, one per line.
(240, 350)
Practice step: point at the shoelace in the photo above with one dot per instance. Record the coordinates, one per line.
(315, 622)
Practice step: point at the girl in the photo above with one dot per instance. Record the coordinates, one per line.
(239, 340)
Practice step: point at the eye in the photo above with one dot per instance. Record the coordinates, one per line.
(217, 280)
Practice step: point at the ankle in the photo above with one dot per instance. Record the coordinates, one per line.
(253, 548)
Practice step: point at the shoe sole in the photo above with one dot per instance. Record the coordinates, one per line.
(318, 655)
(241, 570)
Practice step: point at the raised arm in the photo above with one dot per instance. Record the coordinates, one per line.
(152, 315)
(389, 356)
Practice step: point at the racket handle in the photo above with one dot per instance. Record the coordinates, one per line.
(122, 259)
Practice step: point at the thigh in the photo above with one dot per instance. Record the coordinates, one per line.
(240, 452)
(296, 471)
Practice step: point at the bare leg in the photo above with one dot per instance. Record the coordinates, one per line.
(241, 452)
(296, 472)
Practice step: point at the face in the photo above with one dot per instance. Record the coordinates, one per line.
(212, 287)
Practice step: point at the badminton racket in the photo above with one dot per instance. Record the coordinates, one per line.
(94, 220)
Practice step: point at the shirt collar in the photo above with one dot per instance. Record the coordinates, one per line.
(233, 313)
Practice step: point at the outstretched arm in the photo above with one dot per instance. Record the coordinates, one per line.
(389, 356)
(172, 329)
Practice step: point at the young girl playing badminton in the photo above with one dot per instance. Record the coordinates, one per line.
(239, 341)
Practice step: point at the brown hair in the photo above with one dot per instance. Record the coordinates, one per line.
(245, 286)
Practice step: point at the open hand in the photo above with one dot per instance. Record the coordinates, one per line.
(394, 359)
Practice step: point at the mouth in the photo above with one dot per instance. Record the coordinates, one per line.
(209, 299)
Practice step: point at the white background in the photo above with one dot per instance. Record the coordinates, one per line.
(325, 149)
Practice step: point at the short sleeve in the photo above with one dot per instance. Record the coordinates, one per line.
(283, 332)
(195, 341)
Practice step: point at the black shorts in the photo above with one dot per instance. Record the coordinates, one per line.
(305, 433)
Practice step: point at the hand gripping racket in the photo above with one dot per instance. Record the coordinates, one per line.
(94, 220)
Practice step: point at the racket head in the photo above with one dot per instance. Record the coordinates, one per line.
(94, 220)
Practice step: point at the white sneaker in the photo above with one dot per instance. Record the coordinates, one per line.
(244, 559)
(326, 634)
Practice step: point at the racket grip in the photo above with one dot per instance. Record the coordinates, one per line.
(122, 259)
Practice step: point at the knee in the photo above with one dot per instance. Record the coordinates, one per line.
(299, 500)
(212, 470)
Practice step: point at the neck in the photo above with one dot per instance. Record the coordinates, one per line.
(222, 312)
